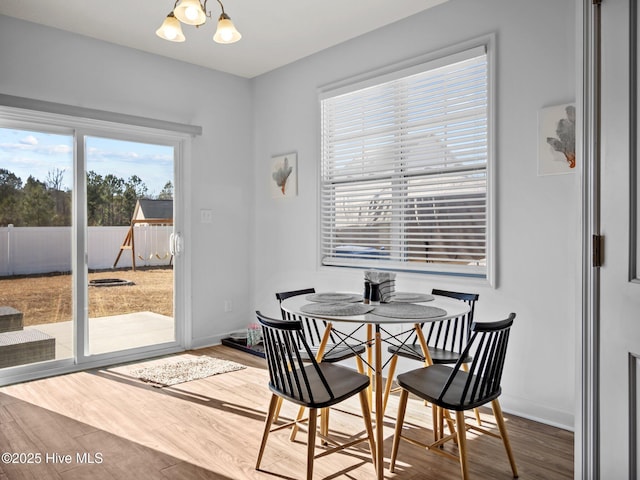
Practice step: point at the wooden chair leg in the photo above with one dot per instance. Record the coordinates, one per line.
(360, 365)
(434, 420)
(276, 415)
(497, 413)
(311, 441)
(389, 383)
(462, 444)
(438, 422)
(294, 429)
(478, 419)
(273, 405)
(362, 370)
(324, 423)
(366, 415)
(446, 415)
(402, 406)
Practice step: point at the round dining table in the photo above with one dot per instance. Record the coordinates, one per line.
(348, 308)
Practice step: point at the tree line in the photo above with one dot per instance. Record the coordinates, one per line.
(35, 203)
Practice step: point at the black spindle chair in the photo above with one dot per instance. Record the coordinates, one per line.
(314, 331)
(445, 340)
(459, 390)
(308, 383)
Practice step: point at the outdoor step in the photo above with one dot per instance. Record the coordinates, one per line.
(26, 346)
(10, 319)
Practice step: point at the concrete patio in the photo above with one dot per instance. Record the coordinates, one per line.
(113, 333)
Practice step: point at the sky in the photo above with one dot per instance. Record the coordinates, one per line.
(25, 153)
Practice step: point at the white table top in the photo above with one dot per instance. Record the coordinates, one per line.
(453, 308)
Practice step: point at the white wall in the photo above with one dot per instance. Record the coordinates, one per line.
(52, 65)
(537, 219)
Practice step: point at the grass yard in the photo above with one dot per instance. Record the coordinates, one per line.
(48, 298)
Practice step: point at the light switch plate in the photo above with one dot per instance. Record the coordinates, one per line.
(206, 216)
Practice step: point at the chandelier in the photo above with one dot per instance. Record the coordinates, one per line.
(192, 12)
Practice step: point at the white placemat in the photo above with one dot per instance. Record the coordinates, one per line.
(408, 310)
(406, 297)
(334, 297)
(345, 309)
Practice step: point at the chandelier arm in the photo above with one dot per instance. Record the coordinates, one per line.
(221, 6)
(204, 9)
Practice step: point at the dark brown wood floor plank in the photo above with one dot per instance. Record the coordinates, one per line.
(30, 464)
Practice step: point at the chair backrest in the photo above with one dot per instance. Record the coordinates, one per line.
(452, 334)
(310, 326)
(294, 293)
(288, 376)
(488, 345)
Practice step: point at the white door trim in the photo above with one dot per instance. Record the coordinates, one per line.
(587, 434)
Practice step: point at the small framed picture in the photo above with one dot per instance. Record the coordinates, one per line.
(557, 139)
(284, 175)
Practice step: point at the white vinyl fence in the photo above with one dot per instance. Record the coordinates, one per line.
(31, 250)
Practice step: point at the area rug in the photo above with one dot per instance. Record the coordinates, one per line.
(174, 372)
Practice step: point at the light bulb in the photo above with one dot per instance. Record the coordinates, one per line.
(226, 34)
(191, 12)
(170, 33)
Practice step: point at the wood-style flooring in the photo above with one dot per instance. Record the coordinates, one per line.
(104, 424)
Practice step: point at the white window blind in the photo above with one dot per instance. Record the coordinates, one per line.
(404, 170)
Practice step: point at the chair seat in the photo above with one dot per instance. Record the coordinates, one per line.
(427, 384)
(344, 383)
(438, 355)
(335, 352)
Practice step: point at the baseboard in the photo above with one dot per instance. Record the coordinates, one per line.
(204, 342)
(538, 413)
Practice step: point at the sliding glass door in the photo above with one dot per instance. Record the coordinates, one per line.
(88, 245)
(36, 218)
(130, 212)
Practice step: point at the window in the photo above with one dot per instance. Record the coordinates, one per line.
(404, 172)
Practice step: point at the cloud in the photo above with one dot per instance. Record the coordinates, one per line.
(102, 155)
(30, 144)
(60, 149)
(29, 140)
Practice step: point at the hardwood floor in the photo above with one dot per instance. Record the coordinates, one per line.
(113, 426)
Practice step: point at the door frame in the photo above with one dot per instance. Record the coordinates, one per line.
(80, 238)
(587, 433)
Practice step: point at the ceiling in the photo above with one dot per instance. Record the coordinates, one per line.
(274, 33)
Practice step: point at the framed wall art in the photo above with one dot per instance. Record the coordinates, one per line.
(284, 175)
(557, 139)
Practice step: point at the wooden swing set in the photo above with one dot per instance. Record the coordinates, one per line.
(151, 213)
